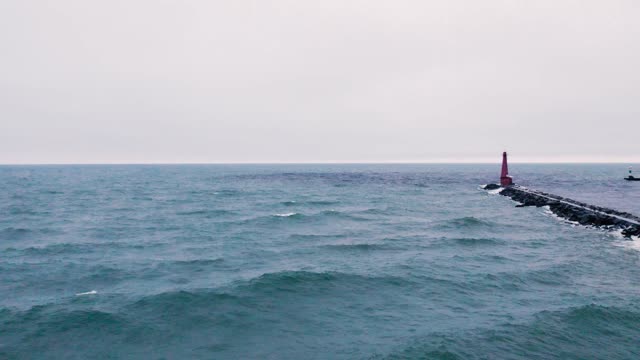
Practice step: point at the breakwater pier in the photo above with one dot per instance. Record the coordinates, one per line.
(571, 210)
(575, 211)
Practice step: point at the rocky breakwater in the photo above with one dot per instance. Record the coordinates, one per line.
(575, 211)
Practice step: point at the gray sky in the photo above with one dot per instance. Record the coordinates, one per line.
(318, 81)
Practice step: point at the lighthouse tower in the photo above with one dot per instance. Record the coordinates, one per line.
(505, 179)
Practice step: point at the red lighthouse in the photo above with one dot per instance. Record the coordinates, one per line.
(505, 179)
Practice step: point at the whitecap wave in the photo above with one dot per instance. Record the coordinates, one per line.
(286, 214)
(92, 292)
(490, 192)
(547, 212)
(632, 243)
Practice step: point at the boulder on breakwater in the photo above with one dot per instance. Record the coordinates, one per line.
(492, 187)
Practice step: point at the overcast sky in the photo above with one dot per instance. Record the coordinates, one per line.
(141, 81)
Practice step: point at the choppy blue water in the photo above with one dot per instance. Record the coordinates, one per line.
(311, 262)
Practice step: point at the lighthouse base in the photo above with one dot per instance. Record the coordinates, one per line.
(506, 181)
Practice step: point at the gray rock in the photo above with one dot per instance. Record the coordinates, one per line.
(492, 187)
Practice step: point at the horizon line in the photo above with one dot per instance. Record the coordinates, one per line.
(437, 162)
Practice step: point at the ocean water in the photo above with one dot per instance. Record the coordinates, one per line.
(311, 262)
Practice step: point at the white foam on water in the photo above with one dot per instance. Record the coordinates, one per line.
(92, 292)
(547, 212)
(632, 243)
(491, 192)
(286, 214)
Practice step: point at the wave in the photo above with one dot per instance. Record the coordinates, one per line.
(280, 300)
(310, 203)
(226, 193)
(190, 266)
(255, 302)
(80, 248)
(21, 211)
(583, 332)
(305, 282)
(99, 276)
(291, 214)
(632, 244)
(373, 211)
(340, 215)
(323, 202)
(321, 216)
(262, 289)
(92, 292)
(57, 249)
(598, 315)
(180, 303)
(468, 222)
(145, 321)
(357, 247)
(524, 280)
(311, 237)
(52, 192)
(198, 262)
(462, 241)
(555, 276)
(504, 281)
(92, 319)
(206, 212)
(476, 241)
(50, 320)
(472, 221)
(12, 233)
(496, 259)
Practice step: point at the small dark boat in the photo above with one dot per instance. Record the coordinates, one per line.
(631, 177)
